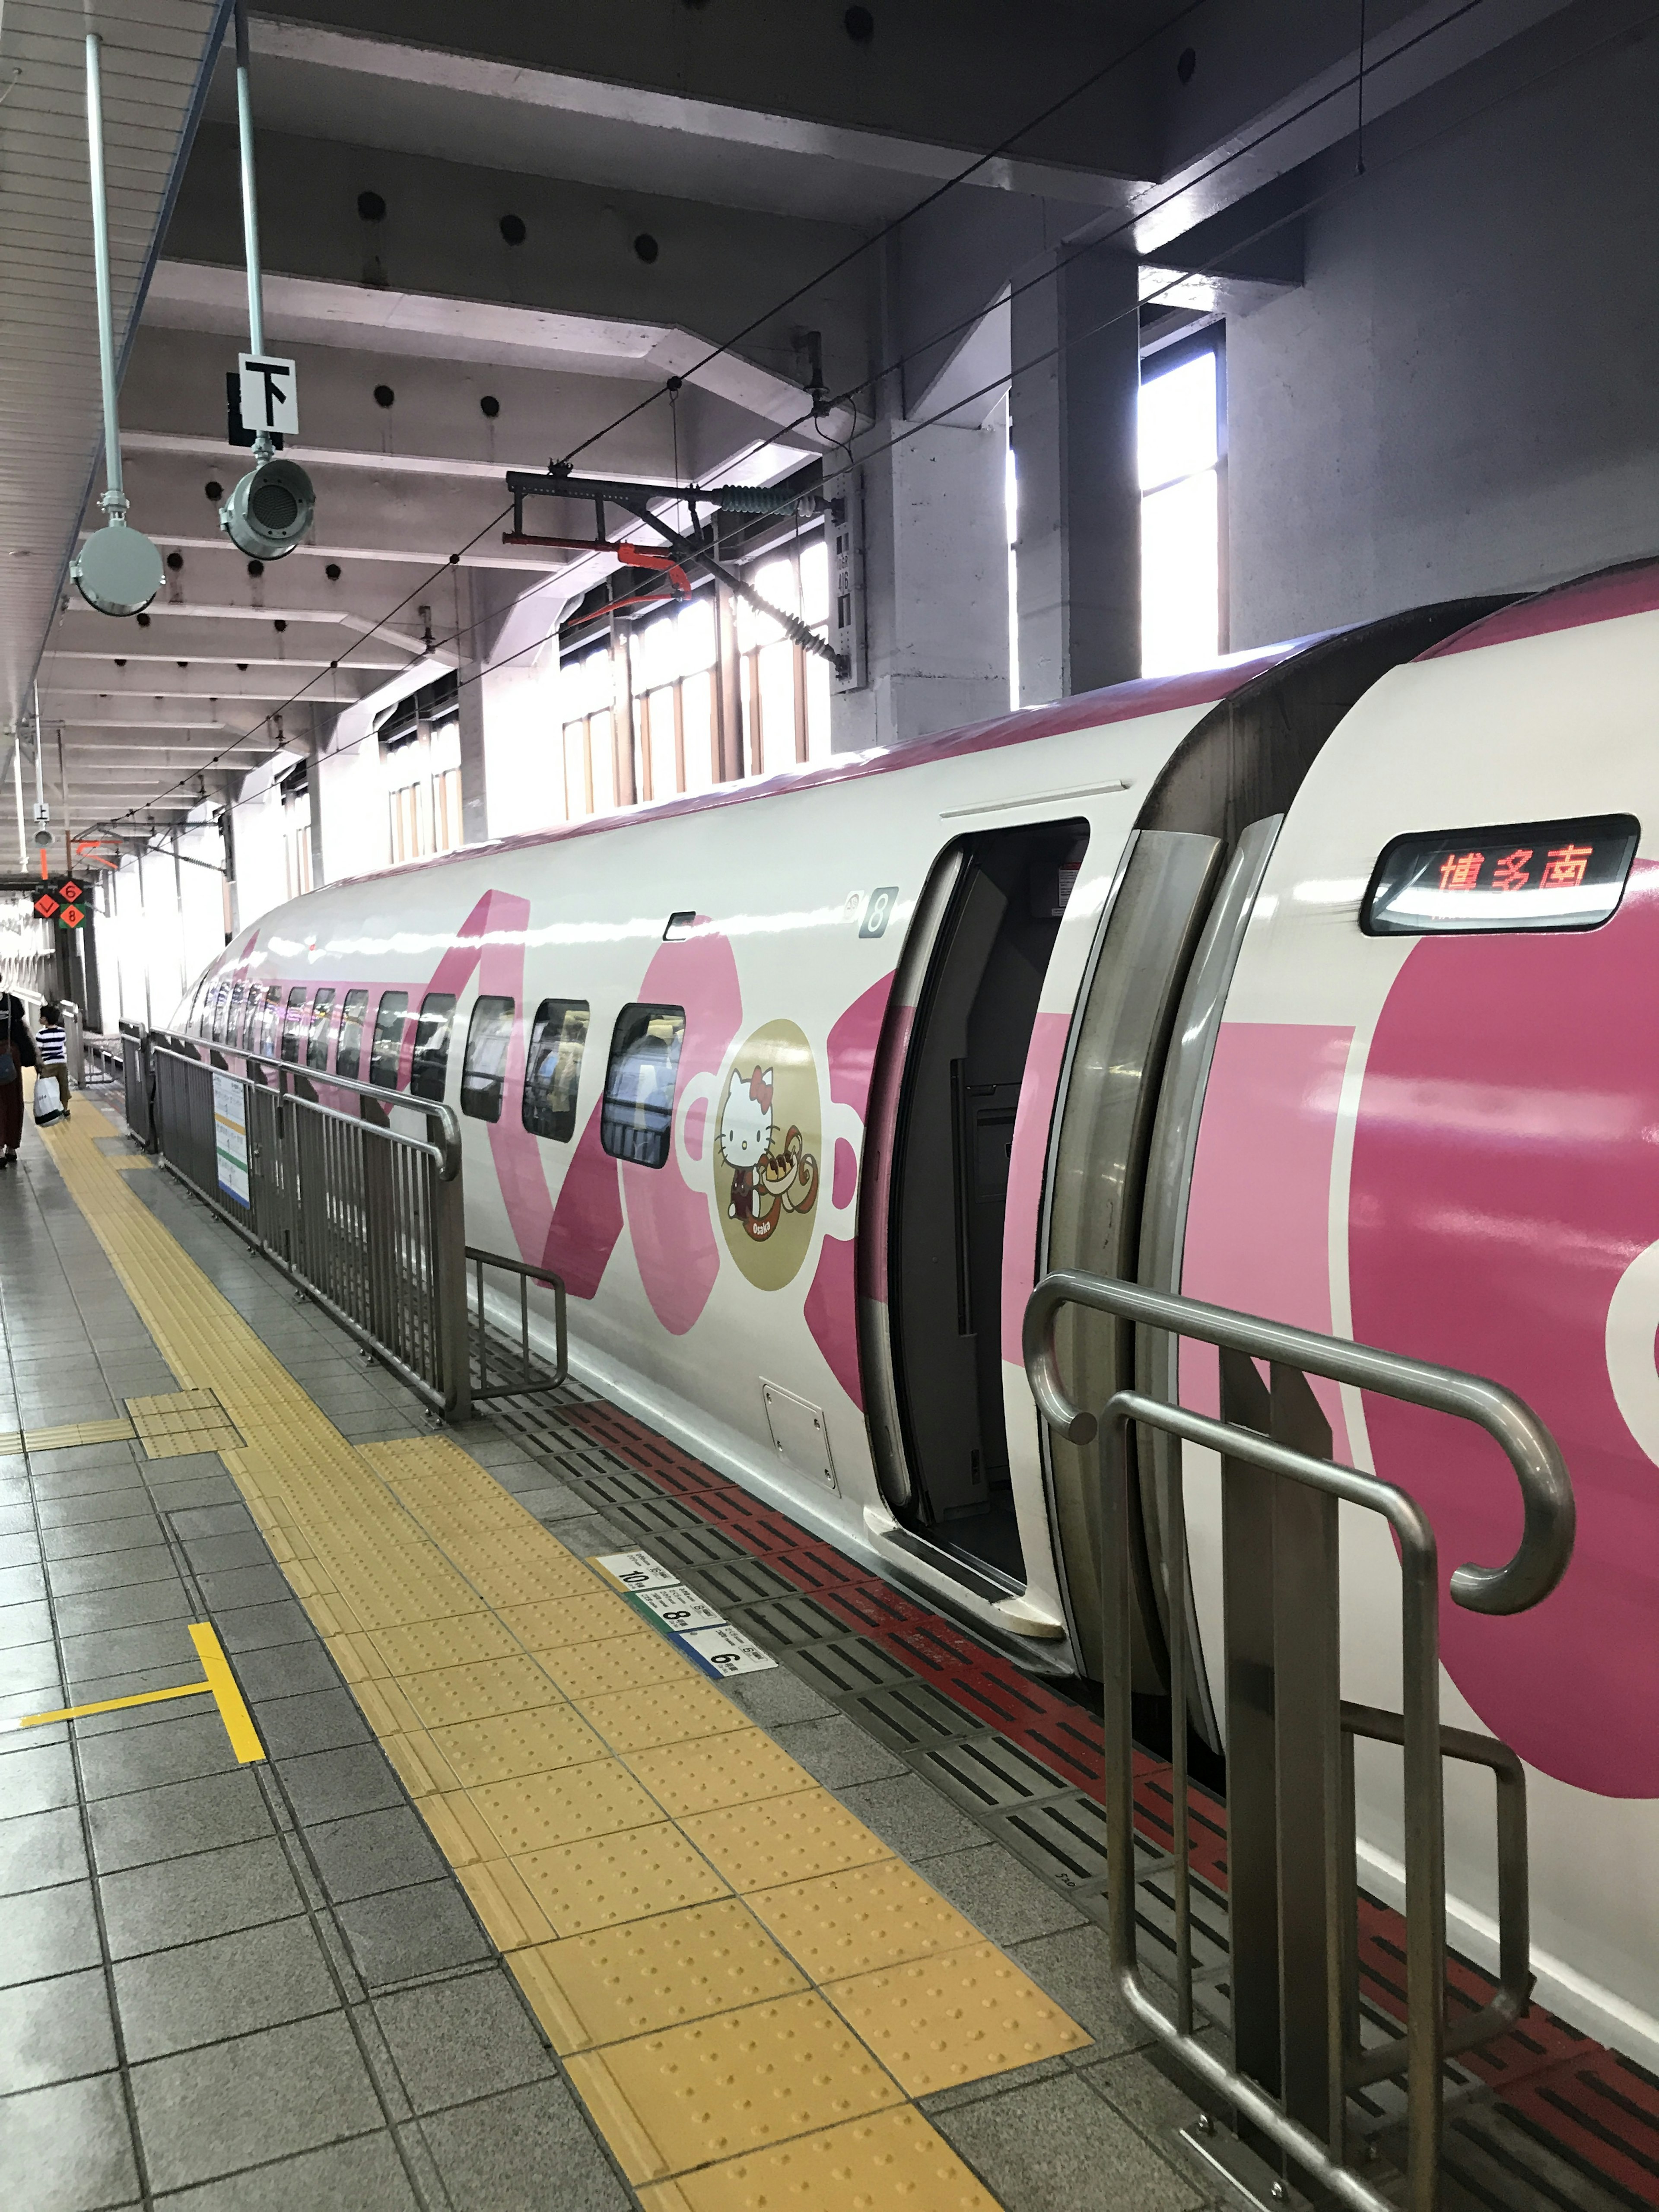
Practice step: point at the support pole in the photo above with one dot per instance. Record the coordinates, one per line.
(114, 502)
(263, 449)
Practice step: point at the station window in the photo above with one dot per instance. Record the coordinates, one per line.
(293, 1022)
(429, 1070)
(349, 1048)
(483, 1071)
(1183, 441)
(387, 1053)
(638, 1116)
(785, 690)
(317, 1043)
(552, 1072)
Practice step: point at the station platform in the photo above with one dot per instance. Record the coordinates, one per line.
(407, 1863)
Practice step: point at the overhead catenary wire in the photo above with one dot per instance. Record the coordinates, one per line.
(913, 429)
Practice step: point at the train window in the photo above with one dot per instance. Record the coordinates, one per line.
(227, 1027)
(1512, 875)
(248, 1036)
(553, 1069)
(221, 999)
(348, 1049)
(484, 1072)
(639, 1084)
(317, 1043)
(430, 1069)
(387, 1053)
(292, 1021)
(269, 1020)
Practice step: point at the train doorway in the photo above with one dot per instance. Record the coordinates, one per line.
(954, 1131)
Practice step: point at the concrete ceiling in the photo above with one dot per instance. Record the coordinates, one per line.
(518, 224)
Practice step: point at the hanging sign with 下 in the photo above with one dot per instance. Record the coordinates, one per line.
(269, 394)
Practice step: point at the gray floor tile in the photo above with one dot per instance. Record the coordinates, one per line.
(16, 1515)
(552, 1501)
(837, 1753)
(49, 1931)
(55, 2031)
(262, 1627)
(997, 2085)
(911, 1816)
(243, 1586)
(1074, 1969)
(65, 1484)
(80, 1540)
(363, 2175)
(230, 1985)
(38, 1850)
(188, 1744)
(320, 1720)
(374, 1851)
(217, 1555)
(25, 1668)
(497, 2155)
(1052, 2146)
(176, 1493)
(331, 1785)
(776, 1698)
(99, 1570)
(155, 1908)
(162, 1645)
(114, 1504)
(142, 1827)
(207, 2112)
(212, 1521)
(400, 1934)
(1143, 2092)
(81, 1458)
(455, 2040)
(73, 2142)
(1004, 1900)
(287, 1670)
(20, 1585)
(137, 1606)
(35, 1778)
(22, 1550)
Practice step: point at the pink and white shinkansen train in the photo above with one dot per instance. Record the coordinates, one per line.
(1310, 984)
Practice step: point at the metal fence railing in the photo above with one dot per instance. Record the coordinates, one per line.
(366, 1219)
(1299, 2056)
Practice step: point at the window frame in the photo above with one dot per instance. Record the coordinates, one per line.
(322, 1013)
(621, 1045)
(380, 1038)
(356, 1017)
(1158, 359)
(291, 1024)
(470, 1085)
(425, 1053)
(560, 1127)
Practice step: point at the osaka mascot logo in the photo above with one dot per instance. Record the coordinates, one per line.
(766, 1154)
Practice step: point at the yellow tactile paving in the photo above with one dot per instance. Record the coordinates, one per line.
(666, 2102)
(66, 1435)
(895, 2160)
(613, 1877)
(881, 1915)
(669, 1712)
(182, 1422)
(648, 1975)
(584, 1671)
(780, 1839)
(599, 1799)
(716, 1772)
(955, 2017)
(527, 1709)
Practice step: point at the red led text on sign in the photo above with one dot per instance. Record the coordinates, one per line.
(1512, 873)
(1565, 867)
(1562, 869)
(1460, 871)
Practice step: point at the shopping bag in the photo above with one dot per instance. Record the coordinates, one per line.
(49, 1100)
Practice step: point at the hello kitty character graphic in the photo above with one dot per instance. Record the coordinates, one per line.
(765, 1185)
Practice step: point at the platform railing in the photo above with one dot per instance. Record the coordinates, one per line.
(529, 1378)
(366, 1219)
(1292, 1884)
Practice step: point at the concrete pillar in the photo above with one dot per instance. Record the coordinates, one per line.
(471, 657)
(625, 781)
(315, 741)
(935, 586)
(728, 689)
(1076, 352)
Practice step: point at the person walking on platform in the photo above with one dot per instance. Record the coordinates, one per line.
(16, 1052)
(52, 1063)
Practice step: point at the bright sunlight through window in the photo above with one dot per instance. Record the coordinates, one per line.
(1180, 517)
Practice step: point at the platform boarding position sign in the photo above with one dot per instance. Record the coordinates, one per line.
(230, 1135)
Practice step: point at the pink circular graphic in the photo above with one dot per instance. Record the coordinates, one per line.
(1505, 1179)
(846, 1175)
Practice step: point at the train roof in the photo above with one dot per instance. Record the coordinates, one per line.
(1631, 588)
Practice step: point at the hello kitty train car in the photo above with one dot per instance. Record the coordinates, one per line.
(1303, 984)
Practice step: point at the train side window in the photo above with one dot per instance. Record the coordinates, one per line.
(638, 1116)
(483, 1071)
(317, 1043)
(256, 1036)
(385, 1053)
(248, 1036)
(430, 1070)
(349, 1050)
(293, 1022)
(220, 1000)
(270, 1021)
(552, 1071)
(228, 1021)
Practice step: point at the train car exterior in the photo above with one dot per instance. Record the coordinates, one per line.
(799, 1086)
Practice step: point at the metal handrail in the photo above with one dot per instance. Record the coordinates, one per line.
(1539, 1562)
(434, 1109)
(1550, 1514)
(526, 1274)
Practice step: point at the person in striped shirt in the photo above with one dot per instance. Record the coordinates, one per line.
(51, 1053)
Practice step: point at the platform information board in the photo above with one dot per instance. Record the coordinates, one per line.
(230, 1135)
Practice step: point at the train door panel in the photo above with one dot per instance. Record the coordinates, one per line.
(971, 1035)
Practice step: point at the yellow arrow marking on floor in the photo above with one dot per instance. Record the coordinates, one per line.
(220, 1685)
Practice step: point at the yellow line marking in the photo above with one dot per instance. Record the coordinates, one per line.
(220, 1685)
(112, 1704)
(233, 1711)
